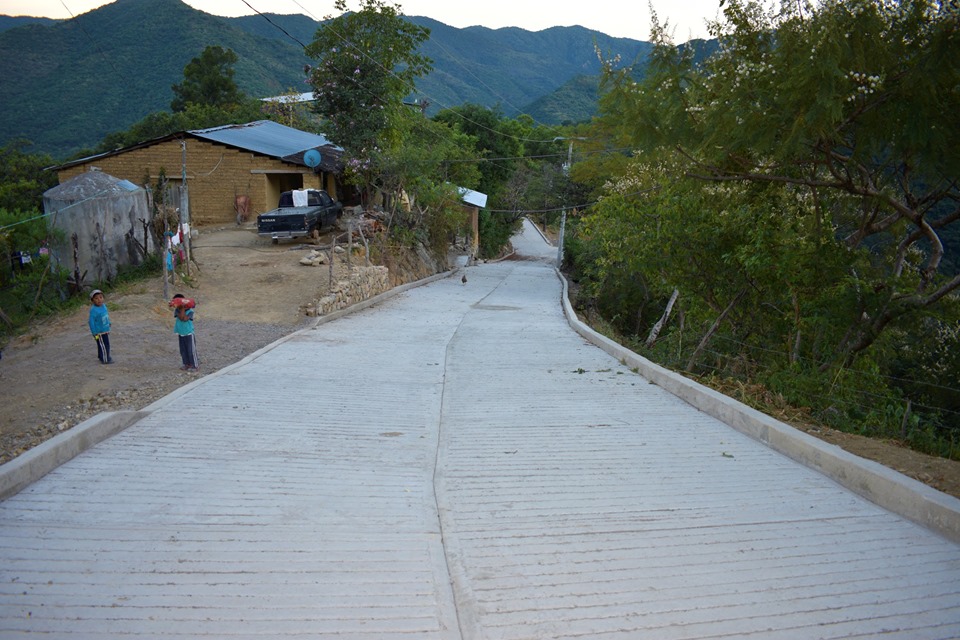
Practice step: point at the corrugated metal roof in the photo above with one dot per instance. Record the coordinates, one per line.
(475, 198)
(264, 137)
(291, 99)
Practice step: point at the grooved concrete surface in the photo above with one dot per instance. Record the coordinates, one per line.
(455, 462)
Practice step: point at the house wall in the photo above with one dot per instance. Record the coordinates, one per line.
(216, 175)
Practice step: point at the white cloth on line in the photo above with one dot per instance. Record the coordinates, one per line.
(300, 198)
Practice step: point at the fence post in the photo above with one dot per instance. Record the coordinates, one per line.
(903, 423)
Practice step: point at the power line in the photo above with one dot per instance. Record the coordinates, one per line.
(460, 63)
(274, 24)
(586, 205)
(325, 25)
(547, 155)
(834, 399)
(92, 40)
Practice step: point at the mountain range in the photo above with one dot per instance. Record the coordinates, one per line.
(67, 83)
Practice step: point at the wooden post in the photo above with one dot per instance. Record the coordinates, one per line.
(350, 245)
(713, 328)
(146, 238)
(903, 423)
(77, 278)
(333, 246)
(475, 230)
(655, 331)
(184, 204)
(167, 255)
(366, 246)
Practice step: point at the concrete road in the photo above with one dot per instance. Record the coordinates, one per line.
(455, 462)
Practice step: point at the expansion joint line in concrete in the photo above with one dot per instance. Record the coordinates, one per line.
(461, 601)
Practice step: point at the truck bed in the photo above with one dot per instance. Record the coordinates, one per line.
(287, 221)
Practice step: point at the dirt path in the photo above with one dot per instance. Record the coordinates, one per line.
(250, 293)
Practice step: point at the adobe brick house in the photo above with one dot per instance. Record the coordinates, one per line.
(257, 160)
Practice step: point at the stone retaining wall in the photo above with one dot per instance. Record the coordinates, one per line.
(364, 283)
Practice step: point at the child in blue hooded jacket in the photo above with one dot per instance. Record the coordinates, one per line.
(183, 327)
(100, 326)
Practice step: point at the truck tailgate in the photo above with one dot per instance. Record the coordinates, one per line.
(283, 221)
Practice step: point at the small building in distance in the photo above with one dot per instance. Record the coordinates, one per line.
(232, 172)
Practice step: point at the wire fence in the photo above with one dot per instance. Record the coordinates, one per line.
(923, 413)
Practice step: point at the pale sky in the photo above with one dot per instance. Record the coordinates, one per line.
(621, 18)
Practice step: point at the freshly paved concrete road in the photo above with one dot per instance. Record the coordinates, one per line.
(455, 462)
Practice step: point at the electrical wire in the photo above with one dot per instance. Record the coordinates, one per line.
(325, 25)
(835, 400)
(92, 40)
(347, 42)
(274, 24)
(56, 211)
(815, 363)
(461, 64)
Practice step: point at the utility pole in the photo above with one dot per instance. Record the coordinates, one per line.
(184, 216)
(563, 215)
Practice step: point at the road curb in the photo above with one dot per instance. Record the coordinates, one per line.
(881, 485)
(47, 456)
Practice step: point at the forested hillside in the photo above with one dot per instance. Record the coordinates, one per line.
(11, 22)
(69, 83)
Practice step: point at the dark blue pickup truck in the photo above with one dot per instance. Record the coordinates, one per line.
(289, 221)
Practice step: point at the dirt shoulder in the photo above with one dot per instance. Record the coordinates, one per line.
(250, 293)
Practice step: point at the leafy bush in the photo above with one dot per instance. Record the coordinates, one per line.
(37, 291)
(495, 233)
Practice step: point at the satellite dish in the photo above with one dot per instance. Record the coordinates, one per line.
(311, 158)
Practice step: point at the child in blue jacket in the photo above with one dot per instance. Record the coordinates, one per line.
(100, 326)
(183, 327)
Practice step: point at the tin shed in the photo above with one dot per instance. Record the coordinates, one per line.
(104, 223)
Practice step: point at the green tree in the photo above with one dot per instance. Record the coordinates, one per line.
(498, 142)
(747, 253)
(422, 175)
(25, 177)
(855, 106)
(23, 180)
(208, 80)
(366, 63)
(35, 287)
(797, 193)
(506, 175)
